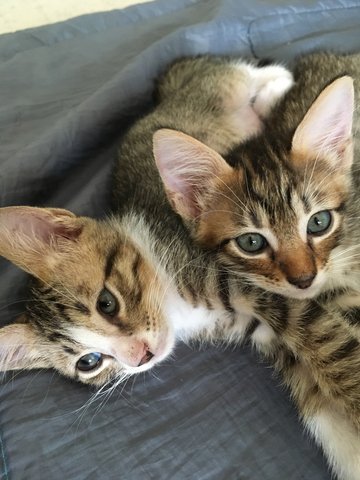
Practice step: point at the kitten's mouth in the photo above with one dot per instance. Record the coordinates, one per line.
(146, 358)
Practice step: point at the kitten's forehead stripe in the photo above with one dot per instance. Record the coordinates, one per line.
(135, 265)
(138, 289)
(130, 290)
(341, 207)
(110, 261)
(255, 195)
(255, 220)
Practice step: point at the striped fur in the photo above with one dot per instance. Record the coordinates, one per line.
(183, 290)
(273, 185)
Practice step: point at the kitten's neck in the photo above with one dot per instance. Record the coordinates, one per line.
(200, 299)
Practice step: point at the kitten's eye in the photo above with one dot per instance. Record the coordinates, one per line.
(89, 362)
(252, 242)
(107, 303)
(319, 222)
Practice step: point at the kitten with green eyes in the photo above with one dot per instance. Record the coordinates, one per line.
(284, 207)
(113, 296)
(109, 302)
(313, 344)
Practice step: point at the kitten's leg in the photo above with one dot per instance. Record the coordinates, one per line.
(270, 85)
(248, 94)
(339, 440)
(220, 102)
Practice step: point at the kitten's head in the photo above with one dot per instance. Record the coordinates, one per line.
(96, 312)
(276, 217)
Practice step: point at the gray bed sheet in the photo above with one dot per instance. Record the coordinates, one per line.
(67, 91)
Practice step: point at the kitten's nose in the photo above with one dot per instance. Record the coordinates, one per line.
(146, 358)
(302, 282)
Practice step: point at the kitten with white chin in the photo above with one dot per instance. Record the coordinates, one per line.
(106, 304)
(96, 311)
(114, 295)
(282, 209)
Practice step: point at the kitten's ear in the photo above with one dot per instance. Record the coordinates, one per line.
(31, 237)
(326, 127)
(188, 169)
(19, 348)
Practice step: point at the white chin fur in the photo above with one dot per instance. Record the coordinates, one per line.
(298, 293)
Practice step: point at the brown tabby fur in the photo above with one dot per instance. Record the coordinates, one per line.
(74, 258)
(317, 347)
(269, 174)
(179, 287)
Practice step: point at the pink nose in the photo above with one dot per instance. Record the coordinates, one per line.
(134, 354)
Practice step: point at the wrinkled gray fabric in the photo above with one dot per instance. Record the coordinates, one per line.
(67, 91)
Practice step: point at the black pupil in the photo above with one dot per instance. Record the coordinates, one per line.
(107, 303)
(89, 362)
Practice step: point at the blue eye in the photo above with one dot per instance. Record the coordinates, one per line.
(319, 222)
(89, 362)
(252, 242)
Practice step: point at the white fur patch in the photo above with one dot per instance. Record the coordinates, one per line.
(263, 335)
(186, 319)
(91, 341)
(269, 84)
(339, 441)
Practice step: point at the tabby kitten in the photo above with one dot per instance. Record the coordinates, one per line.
(109, 300)
(282, 211)
(280, 199)
(114, 295)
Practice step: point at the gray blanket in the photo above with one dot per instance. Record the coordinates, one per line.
(67, 91)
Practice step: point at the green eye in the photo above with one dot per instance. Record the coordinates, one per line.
(319, 222)
(89, 362)
(107, 303)
(252, 242)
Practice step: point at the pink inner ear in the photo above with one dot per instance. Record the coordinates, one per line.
(334, 128)
(39, 224)
(187, 168)
(171, 160)
(168, 161)
(30, 236)
(328, 123)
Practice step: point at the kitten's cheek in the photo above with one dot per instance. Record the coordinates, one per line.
(165, 346)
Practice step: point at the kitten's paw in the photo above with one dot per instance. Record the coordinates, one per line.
(272, 84)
